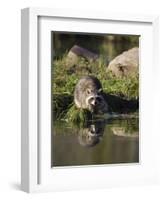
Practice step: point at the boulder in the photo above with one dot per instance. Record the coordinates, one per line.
(76, 52)
(122, 132)
(125, 64)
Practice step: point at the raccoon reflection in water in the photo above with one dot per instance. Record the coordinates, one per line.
(91, 134)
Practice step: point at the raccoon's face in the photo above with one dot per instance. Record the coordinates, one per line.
(93, 98)
(93, 91)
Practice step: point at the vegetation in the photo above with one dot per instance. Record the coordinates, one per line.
(78, 116)
(65, 78)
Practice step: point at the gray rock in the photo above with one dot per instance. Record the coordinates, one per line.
(126, 63)
(121, 132)
(76, 52)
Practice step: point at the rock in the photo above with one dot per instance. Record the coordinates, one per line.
(121, 132)
(125, 64)
(76, 52)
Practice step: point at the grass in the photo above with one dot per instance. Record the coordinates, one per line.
(61, 104)
(78, 116)
(65, 78)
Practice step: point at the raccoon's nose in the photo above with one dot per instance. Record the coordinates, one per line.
(95, 102)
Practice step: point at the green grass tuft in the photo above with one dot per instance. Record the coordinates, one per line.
(78, 116)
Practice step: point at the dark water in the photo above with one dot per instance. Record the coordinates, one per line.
(98, 142)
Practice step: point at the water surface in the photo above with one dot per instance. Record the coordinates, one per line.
(99, 142)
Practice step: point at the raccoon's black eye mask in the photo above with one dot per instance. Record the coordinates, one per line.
(95, 98)
(98, 99)
(89, 91)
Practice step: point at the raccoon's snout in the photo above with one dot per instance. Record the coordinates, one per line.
(95, 100)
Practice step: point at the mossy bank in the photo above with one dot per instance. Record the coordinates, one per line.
(121, 93)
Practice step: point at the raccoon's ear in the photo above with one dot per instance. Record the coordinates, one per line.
(88, 91)
(100, 90)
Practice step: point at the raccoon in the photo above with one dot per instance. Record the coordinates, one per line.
(88, 95)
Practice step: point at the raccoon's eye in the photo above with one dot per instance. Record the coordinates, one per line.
(98, 99)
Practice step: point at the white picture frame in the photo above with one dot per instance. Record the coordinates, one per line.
(36, 171)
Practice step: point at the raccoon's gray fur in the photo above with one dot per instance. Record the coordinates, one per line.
(88, 95)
